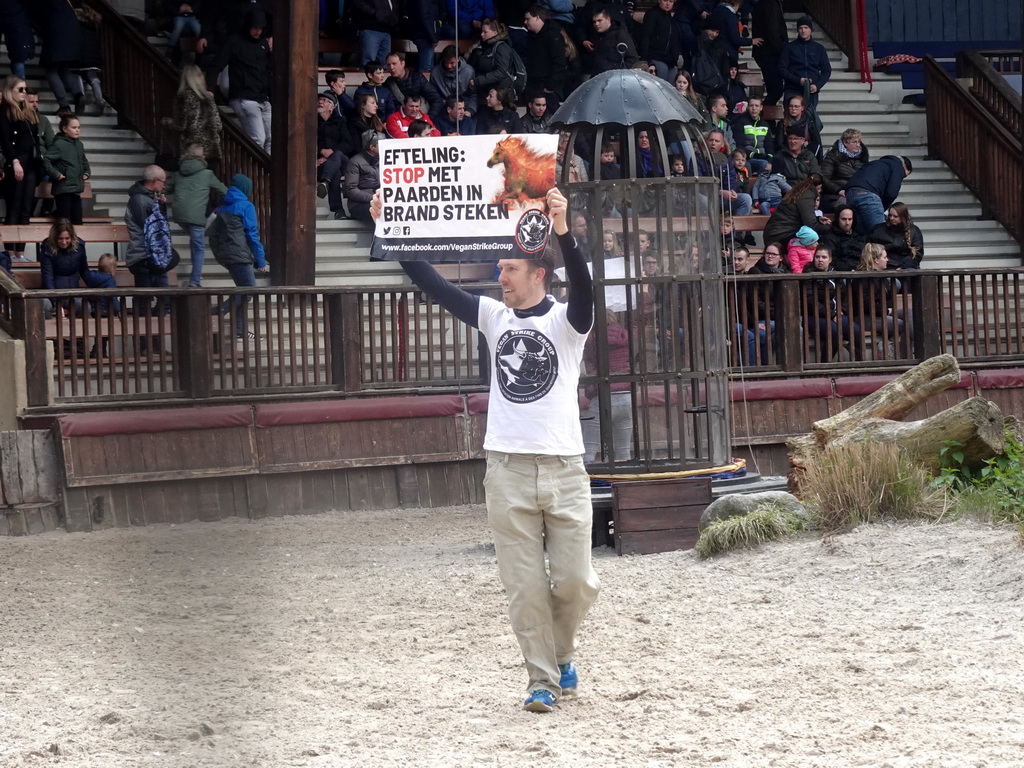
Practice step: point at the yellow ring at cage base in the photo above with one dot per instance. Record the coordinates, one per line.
(737, 465)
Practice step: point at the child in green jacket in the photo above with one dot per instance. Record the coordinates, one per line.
(68, 169)
(190, 190)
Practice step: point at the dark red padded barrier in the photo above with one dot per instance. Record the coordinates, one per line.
(371, 409)
(145, 422)
(477, 402)
(867, 385)
(780, 389)
(1010, 378)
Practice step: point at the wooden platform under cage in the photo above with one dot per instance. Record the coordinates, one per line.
(651, 516)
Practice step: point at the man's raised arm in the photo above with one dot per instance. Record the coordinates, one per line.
(580, 310)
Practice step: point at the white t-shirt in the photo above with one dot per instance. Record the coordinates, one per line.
(533, 405)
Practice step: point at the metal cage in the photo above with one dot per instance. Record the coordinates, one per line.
(656, 362)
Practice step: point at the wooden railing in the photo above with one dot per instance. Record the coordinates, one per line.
(985, 155)
(1007, 62)
(141, 83)
(198, 344)
(808, 323)
(984, 69)
(166, 346)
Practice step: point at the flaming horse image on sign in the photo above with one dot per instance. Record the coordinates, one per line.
(528, 174)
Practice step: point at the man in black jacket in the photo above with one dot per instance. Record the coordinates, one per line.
(603, 45)
(537, 118)
(843, 240)
(546, 64)
(247, 57)
(334, 146)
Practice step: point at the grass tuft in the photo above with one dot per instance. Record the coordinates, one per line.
(768, 523)
(866, 482)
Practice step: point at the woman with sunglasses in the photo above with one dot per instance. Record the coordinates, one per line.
(19, 145)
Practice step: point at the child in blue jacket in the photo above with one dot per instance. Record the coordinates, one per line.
(235, 241)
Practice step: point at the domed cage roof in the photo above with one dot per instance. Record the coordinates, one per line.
(622, 103)
(644, 187)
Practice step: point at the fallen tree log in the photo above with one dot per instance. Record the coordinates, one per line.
(895, 400)
(977, 424)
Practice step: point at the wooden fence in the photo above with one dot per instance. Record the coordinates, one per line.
(195, 344)
(988, 86)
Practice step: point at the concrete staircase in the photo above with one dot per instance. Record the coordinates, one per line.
(948, 214)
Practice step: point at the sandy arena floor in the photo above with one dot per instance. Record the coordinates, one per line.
(380, 639)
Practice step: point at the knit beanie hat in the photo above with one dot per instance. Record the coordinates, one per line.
(243, 184)
(806, 236)
(805, 21)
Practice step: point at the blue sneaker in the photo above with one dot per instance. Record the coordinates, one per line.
(539, 701)
(570, 679)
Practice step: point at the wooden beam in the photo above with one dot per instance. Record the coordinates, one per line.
(293, 236)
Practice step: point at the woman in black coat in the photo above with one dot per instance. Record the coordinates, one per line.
(771, 262)
(492, 59)
(901, 237)
(62, 260)
(19, 146)
(499, 114)
(796, 210)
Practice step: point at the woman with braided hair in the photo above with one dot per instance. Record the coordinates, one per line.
(901, 237)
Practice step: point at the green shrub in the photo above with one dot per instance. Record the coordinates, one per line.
(995, 492)
(865, 482)
(765, 524)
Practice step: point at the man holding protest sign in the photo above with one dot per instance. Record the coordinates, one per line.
(538, 492)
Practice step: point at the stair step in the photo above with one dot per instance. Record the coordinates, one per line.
(940, 251)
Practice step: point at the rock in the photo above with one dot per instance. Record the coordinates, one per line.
(740, 504)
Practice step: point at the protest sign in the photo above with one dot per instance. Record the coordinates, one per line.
(465, 198)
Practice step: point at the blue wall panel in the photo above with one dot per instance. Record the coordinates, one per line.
(945, 20)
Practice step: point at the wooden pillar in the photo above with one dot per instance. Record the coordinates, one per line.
(789, 336)
(292, 250)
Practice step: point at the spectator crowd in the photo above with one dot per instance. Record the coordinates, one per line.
(507, 70)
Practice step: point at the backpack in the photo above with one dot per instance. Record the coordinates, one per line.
(156, 235)
(707, 75)
(517, 75)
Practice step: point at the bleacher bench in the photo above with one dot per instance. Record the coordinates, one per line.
(110, 232)
(45, 190)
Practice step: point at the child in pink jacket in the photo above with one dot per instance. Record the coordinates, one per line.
(800, 251)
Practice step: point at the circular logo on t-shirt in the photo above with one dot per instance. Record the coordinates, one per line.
(526, 365)
(532, 231)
